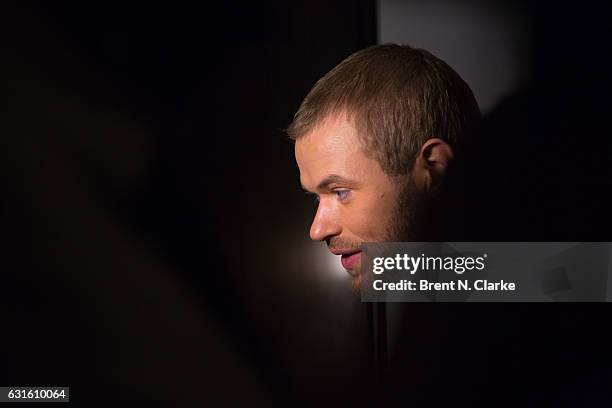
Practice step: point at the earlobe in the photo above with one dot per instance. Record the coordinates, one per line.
(433, 161)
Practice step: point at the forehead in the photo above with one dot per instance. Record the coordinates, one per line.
(332, 147)
(334, 134)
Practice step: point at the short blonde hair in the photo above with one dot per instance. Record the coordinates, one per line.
(397, 97)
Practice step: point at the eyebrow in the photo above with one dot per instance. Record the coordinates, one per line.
(331, 179)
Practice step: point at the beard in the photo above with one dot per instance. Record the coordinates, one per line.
(342, 243)
(406, 223)
(410, 213)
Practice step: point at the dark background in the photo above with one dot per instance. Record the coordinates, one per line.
(155, 235)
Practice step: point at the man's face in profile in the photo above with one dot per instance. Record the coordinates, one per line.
(357, 201)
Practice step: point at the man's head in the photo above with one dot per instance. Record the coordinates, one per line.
(376, 139)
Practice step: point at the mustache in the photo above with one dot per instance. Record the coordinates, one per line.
(343, 244)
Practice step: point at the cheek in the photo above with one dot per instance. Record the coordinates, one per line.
(371, 221)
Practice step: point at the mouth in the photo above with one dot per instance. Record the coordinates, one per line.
(349, 260)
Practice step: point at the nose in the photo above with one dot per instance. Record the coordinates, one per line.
(324, 224)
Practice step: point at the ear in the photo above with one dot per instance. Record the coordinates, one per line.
(432, 163)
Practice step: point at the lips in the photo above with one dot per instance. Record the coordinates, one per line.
(350, 260)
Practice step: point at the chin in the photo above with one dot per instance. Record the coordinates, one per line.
(356, 284)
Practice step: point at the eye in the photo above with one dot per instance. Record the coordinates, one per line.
(342, 194)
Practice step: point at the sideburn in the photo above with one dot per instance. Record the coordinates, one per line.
(409, 220)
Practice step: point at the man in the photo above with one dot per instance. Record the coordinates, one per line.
(378, 141)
